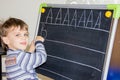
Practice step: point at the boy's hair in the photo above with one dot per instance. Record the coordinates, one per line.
(8, 24)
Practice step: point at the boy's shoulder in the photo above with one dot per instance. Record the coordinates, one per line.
(10, 61)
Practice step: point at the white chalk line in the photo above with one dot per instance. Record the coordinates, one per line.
(56, 73)
(75, 62)
(98, 29)
(75, 46)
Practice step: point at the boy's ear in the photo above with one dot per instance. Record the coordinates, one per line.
(5, 40)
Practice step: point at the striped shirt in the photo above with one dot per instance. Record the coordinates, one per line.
(20, 65)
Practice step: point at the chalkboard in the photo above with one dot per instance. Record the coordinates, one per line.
(76, 42)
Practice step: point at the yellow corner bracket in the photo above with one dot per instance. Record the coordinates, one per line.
(116, 8)
(41, 10)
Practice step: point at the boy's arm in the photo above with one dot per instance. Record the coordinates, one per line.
(40, 52)
(38, 57)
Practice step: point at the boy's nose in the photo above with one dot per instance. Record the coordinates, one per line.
(23, 37)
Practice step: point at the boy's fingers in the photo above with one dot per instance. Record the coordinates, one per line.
(40, 38)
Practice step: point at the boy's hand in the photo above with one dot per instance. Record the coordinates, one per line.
(40, 38)
(32, 45)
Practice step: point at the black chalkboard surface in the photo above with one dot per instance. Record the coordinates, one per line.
(76, 42)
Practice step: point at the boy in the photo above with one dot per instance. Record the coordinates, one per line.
(20, 64)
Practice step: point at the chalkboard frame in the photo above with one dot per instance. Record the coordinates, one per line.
(112, 30)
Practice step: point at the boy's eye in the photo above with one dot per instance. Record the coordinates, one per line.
(17, 34)
(26, 34)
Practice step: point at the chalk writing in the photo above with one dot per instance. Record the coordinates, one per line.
(75, 18)
(43, 31)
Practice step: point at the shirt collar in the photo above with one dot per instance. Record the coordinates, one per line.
(10, 51)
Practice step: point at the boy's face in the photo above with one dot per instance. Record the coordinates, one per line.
(17, 38)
